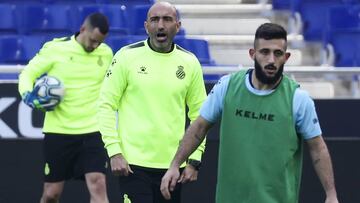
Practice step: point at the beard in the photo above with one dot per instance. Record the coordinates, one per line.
(263, 78)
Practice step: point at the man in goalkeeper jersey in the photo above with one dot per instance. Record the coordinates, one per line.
(265, 117)
(149, 85)
(72, 145)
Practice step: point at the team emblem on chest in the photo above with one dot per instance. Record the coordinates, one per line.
(180, 73)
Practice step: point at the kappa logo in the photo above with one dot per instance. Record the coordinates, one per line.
(142, 70)
(180, 73)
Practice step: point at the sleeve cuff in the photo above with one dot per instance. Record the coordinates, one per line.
(113, 149)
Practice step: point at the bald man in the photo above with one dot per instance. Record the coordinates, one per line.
(149, 84)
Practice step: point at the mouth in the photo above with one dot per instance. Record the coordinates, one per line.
(161, 37)
(270, 69)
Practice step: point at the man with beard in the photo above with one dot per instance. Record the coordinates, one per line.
(149, 84)
(264, 119)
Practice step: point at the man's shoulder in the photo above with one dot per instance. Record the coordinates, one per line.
(131, 49)
(105, 49)
(186, 53)
(62, 39)
(57, 42)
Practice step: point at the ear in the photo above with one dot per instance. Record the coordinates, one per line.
(178, 26)
(252, 53)
(82, 28)
(287, 55)
(145, 26)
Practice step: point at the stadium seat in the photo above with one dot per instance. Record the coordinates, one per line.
(69, 1)
(313, 15)
(116, 14)
(9, 19)
(9, 49)
(343, 33)
(346, 45)
(281, 4)
(126, 2)
(137, 16)
(117, 42)
(199, 47)
(31, 45)
(343, 17)
(40, 18)
(19, 49)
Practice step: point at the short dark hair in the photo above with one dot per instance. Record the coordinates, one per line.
(270, 31)
(99, 20)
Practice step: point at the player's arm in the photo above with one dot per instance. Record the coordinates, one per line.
(37, 66)
(194, 99)
(194, 136)
(110, 94)
(308, 126)
(210, 112)
(322, 163)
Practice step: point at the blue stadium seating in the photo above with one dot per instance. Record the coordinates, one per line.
(116, 14)
(313, 14)
(27, 24)
(346, 44)
(9, 19)
(49, 19)
(343, 33)
(16, 49)
(199, 47)
(137, 16)
(343, 17)
(126, 2)
(9, 49)
(281, 4)
(69, 1)
(116, 42)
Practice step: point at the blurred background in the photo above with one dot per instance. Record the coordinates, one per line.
(323, 38)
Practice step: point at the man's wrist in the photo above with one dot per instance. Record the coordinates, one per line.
(194, 163)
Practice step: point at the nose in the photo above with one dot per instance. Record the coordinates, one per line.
(271, 58)
(161, 24)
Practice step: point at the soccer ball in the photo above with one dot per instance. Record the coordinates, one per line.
(50, 90)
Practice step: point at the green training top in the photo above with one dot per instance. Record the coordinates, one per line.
(150, 91)
(81, 73)
(260, 153)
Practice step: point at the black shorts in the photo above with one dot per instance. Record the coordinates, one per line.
(143, 186)
(72, 156)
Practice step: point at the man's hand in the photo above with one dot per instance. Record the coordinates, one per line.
(189, 174)
(32, 100)
(329, 200)
(168, 182)
(119, 165)
(331, 197)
